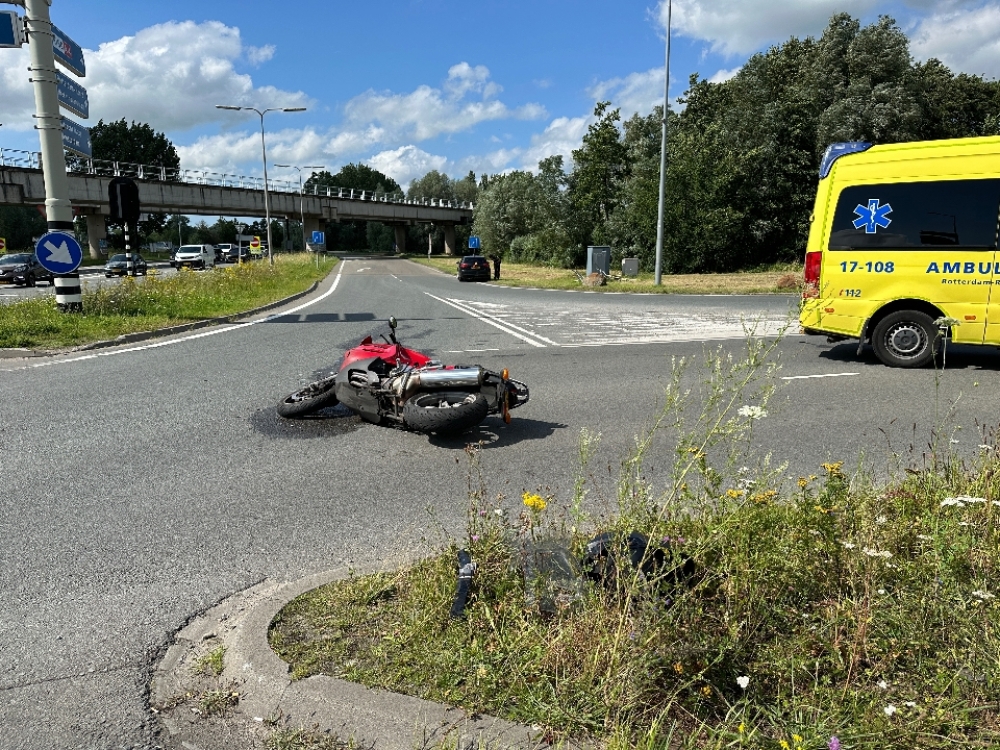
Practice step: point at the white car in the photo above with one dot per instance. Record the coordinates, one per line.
(195, 256)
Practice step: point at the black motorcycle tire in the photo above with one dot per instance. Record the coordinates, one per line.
(445, 412)
(309, 400)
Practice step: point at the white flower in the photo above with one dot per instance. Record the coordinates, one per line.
(848, 545)
(910, 704)
(967, 499)
(883, 684)
(925, 538)
(983, 595)
(499, 511)
(881, 519)
(889, 710)
(752, 412)
(884, 554)
(952, 501)
(743, 682)
(881, 592)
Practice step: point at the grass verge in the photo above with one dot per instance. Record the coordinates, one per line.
(780, 280)
(153, 302)
(801, 613)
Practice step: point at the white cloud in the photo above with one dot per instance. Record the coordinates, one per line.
(429, 112)
(635, 93)
(560, 138)
(967, 41)
(173, 74)
(721, 76)
(15, 90)
(740, 27)
(406, 163)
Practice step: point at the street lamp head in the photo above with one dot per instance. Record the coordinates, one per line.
(228, 106)
(293, 109)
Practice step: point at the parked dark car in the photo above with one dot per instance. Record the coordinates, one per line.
(117, 266)
(239, 255)
(23, 269)
(474, 268)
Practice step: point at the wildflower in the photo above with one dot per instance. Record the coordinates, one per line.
(884, 554)
(910, 704)
(784, 745)
(925, 538)
(883, 684)
(734, 494)
(848, 545)
(946, 322)
(833, 469)
(475, 537)
(881, 520)
(752, 412)
(499, 511)
(679, 668)
(534, 502)
(984, 595)
(803, 482)
(742, 727)
(889, 710)
(763, 497)
(743, 682)
(834, 743)
(706, 691)
(797, 739)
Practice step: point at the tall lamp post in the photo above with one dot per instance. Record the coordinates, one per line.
(302, 211)
(663, 159)
(263, 150)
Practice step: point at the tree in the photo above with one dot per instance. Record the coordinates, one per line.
(19, 225)
(351, 235)
(599, 165)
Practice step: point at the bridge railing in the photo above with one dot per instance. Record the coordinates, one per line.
(106, 168)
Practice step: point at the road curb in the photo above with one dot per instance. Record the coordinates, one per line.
(371, 718)
(130, 338)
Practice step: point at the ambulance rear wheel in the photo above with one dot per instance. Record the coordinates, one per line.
(906, 338)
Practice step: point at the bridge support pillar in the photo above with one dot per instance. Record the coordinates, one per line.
(449, 239)
(96, 231)
(400, 230)
(312, 224)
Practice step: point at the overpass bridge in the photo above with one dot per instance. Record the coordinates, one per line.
(182, 191)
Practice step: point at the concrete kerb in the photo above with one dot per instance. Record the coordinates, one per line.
(267, 697)
(130, 338)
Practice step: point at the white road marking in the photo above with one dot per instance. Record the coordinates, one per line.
(828, 375)
(469, 351)
(204, 334)
(490, 321)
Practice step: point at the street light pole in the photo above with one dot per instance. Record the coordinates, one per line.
(263, 151)
(302, 210)
(663, 159)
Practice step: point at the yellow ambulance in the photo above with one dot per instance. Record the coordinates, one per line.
(902, 247)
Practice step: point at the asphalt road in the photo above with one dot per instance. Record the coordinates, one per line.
(139, 485)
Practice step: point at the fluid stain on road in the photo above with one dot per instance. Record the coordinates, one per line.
(336, 420)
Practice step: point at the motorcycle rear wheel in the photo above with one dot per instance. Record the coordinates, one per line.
(445, 412)
(311, 399)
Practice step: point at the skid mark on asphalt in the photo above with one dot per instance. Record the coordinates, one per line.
(575, 327)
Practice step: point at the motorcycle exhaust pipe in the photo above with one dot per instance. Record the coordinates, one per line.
(464, 377)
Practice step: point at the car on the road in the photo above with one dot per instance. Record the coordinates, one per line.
(195, 256)
(117, 265)
(222, 252)
(23, 269)
(240, 255)
(474, 268)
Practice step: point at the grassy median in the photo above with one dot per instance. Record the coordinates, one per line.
(153, 302)
(780, 279)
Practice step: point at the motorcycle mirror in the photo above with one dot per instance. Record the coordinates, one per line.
(392, 323)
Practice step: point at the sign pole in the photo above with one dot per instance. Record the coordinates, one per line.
(58, 209)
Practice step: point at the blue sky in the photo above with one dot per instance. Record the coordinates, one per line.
(407, 86)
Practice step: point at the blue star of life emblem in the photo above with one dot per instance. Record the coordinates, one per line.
(872, 216)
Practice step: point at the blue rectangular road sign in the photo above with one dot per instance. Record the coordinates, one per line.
(73, 96)
(319, 238)
(10, 29)
(76, 138)
(473, 242)
(68, 52)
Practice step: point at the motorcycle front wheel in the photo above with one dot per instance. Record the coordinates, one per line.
(445, 412)
(311, 399)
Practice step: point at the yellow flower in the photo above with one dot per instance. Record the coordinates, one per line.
(763, 497)
(803, 482)
(784, 744)
(679, 668)
(733, 494)
(706, 691)
(833, 469)
(797, 738)
(742, 727)
(534, 502)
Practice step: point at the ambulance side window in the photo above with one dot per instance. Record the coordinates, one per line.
(943, 213)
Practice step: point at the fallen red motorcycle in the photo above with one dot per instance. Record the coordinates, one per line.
(386, 383)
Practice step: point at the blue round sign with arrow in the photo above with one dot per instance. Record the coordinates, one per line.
(59, 252)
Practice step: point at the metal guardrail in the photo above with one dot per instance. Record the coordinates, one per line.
(104, 168)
